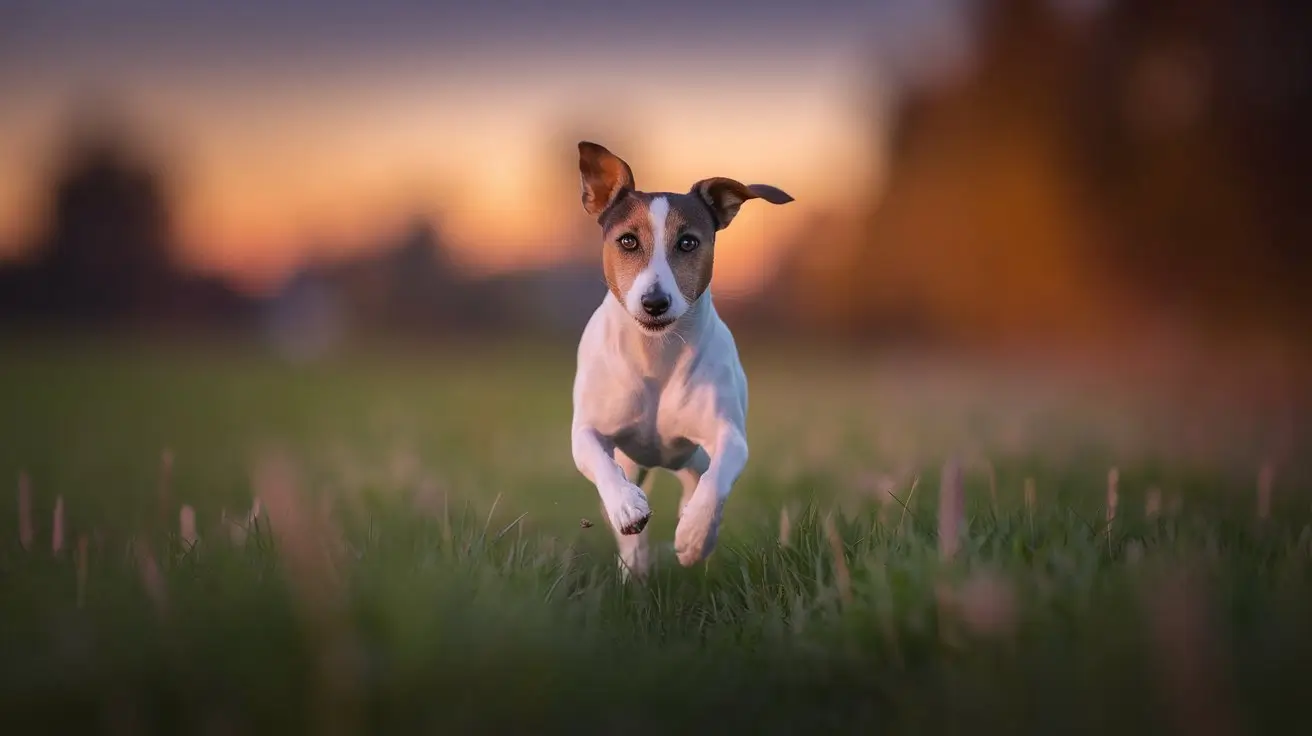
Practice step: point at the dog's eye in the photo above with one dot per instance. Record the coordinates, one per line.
(688, 243)
(628, 241)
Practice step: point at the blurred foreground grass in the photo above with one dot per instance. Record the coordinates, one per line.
(418, 561)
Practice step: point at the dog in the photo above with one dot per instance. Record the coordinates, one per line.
(659, 383)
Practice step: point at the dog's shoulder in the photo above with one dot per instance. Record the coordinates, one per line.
(592, 341)
(716, 353)
(716, 367)
(595, 370)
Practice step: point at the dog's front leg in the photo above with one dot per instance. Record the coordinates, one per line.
(634, 549)
(699, 523)
(625, 503)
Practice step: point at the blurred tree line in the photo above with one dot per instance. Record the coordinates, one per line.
(106, 252)
(107, 256)
(1144, 161)
(1142, 164)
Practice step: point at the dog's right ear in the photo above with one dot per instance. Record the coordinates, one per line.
(604, 176)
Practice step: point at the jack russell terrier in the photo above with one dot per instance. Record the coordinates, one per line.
(659, 383)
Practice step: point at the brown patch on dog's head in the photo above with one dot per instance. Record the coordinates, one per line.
(629, 242)
(659, 248)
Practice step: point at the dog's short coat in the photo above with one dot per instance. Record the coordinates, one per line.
(659, 383)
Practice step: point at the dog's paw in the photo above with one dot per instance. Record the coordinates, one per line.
(631, 512)
(699, 526)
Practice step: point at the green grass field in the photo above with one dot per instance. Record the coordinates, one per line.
(419, 563)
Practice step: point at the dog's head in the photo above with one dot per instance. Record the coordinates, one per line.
(658, 248)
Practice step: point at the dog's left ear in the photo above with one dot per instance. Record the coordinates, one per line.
(725, 196)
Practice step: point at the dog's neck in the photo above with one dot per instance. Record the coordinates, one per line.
(655, 355)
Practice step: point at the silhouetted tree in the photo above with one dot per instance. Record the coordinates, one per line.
(108, 245)
(1191, 123)
(105, 251)
(1150, 160)
(978, 234)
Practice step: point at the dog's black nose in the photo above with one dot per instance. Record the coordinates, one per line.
(655, 303)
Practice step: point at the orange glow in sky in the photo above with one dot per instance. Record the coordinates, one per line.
(267, 170)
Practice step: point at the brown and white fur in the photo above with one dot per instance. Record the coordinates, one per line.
(659, 383)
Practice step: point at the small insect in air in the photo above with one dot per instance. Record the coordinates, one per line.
(584, 523)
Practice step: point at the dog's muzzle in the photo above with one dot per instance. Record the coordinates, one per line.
(655, 306)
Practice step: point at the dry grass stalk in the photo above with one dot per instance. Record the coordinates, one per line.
(842, 576)
(82, 571)
(305, 543)
(1191, 672)
(333, 539)
(785, 528)
(911, 493)
(26, 530)
(151, 577)
(951, 510)
(300, 535)
(236, 532)
(57, 528)
(187, 525)
(1152, 505)
(1265, 478)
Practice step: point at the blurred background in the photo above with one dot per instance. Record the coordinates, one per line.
(992, 173)
(250, 249)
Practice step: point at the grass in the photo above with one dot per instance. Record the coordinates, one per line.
(419, 563)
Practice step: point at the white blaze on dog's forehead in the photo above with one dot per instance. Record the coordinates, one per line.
(658, 211)
(657, 271)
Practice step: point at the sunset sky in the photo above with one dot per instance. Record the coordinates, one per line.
(301, 128)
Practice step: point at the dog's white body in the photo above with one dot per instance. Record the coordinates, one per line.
(659, 382)
(677, 402)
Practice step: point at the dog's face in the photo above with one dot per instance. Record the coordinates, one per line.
(658, 249)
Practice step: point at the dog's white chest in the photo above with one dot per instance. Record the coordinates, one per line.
(645, 423)
(657, 402)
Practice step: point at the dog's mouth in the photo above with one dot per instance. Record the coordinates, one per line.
(654, 326)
